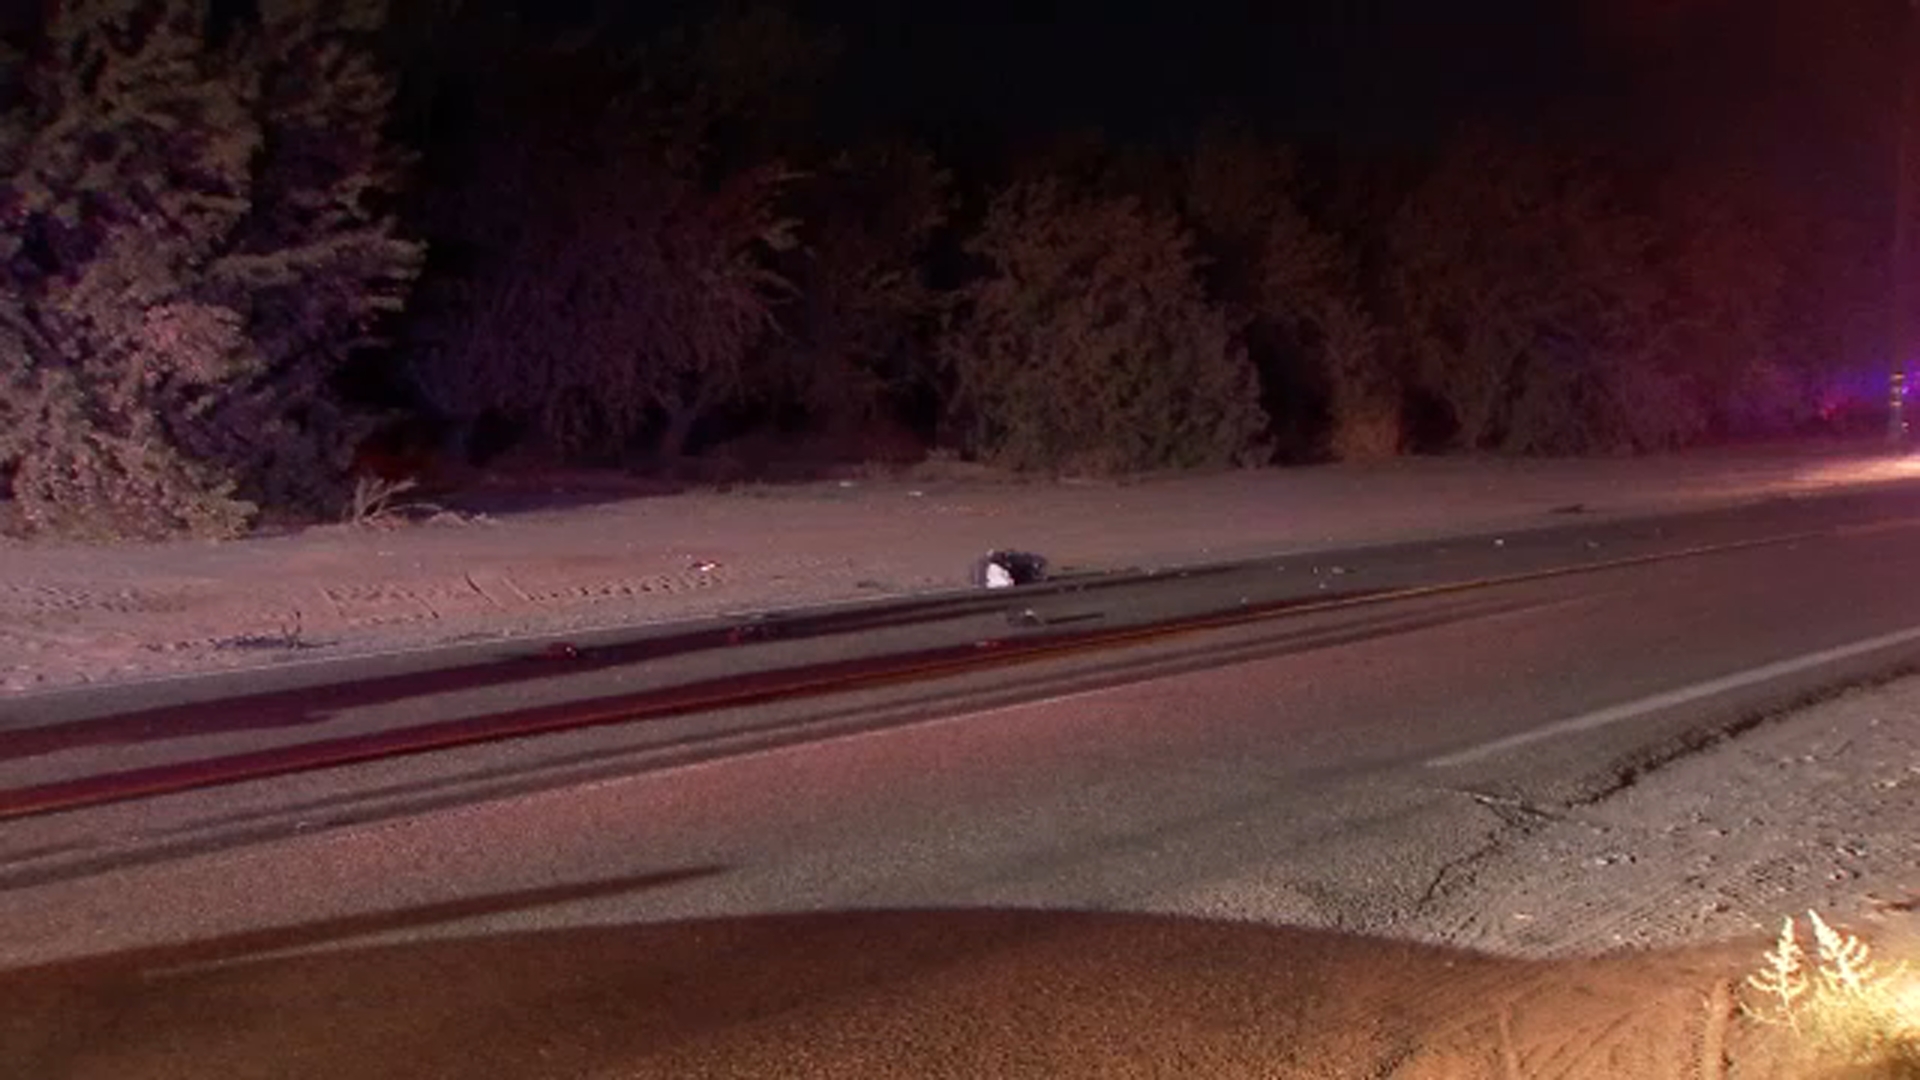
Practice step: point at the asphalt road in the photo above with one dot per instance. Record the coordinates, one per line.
(1337, 736)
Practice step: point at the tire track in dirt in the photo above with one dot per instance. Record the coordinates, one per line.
(537, 589)
(1578, 1021)
(72, 633)
(20, 602)
(183, 618)
(480, 593)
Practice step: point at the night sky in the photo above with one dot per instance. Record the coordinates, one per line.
(1360, 67)
(1811, 77)
(1803, 83)
(1150, 68)
(1799, 88)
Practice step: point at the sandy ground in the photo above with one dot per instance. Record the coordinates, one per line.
(1607, 940)
(74, 615)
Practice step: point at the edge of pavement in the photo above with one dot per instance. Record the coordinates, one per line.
(1814, 807)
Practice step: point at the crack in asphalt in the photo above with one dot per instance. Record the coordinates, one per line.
(1459, 865)
(1517, 819)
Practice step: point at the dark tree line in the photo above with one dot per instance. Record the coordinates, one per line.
(242, 234)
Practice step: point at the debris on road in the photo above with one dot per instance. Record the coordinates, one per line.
(1005, 569)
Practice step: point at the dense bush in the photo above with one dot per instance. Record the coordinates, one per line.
(625, 305)
(1089, 346)
(1723, 264)
(1297, 283)
(854, 347)
(1524, 291)
(195, 244)
(610, 280)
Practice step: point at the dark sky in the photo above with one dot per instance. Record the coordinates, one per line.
(1798, 88)
(1358, 68)
(1375, 65)
(1358, 65)
(1799, 81)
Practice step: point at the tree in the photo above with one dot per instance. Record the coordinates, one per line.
(1724, 265)
(1296, 282)
(317, 267)
(609, 280)
(856, 331)
(1090, 346)
(1364, 395)
(195, 245)
(625, 304)
(1525, 290)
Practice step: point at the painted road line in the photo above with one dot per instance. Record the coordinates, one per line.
(1685, 695)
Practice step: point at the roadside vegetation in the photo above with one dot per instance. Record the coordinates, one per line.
(248, 246)
(1842, 1012)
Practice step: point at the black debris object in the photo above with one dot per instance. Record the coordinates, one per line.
(1003, 569)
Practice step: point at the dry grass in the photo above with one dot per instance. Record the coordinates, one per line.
(376, 500)
(1847, 1012)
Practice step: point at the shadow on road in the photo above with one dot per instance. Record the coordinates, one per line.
(939, 993)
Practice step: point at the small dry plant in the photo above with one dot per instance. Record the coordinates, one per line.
(1843, 1007)
(374, 499)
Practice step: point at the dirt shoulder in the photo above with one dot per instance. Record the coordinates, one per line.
(1817, 810)
(75, 615)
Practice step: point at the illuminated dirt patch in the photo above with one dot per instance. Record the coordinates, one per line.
(906, 994)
